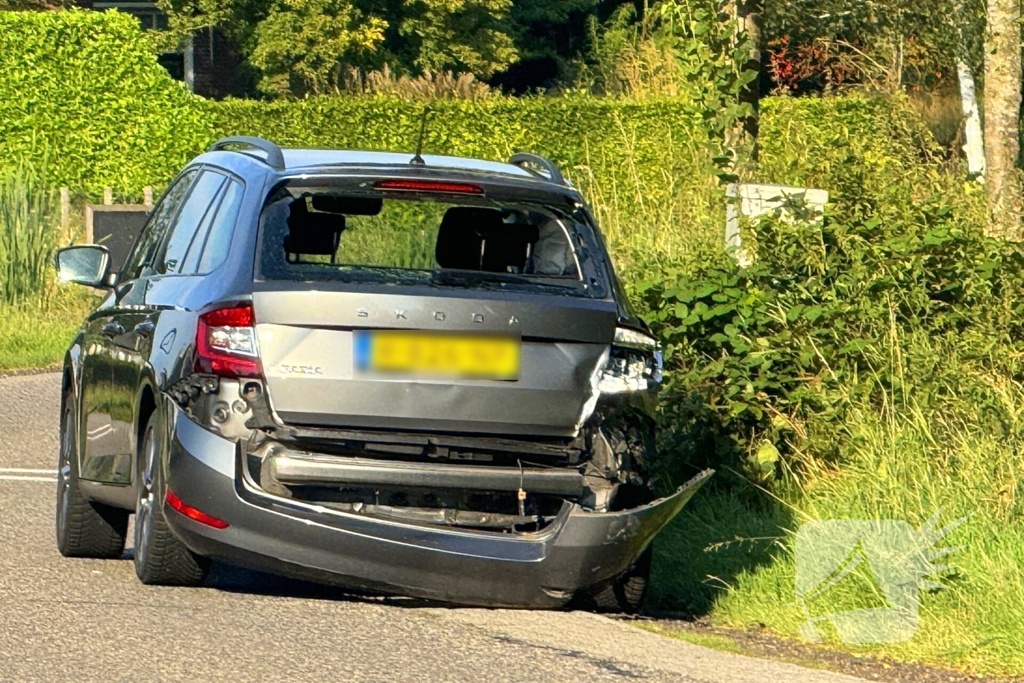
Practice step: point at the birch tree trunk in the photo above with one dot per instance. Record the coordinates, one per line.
(974, 146)
(1002, 112)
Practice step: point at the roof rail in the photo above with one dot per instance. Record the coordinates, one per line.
(275, 157)
(525, 159)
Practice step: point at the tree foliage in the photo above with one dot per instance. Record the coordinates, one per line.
(465, 35)
(302, 46)
(887, 43)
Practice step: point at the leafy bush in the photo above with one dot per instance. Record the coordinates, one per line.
(766, 359)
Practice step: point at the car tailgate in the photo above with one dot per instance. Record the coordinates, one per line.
(307, 345)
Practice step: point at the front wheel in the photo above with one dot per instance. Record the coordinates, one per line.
(83, 528)
(160, 558)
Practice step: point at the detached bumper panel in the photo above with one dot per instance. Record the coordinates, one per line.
(541, 570)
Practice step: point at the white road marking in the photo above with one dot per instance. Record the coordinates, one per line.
(21, 470)
(24, 474)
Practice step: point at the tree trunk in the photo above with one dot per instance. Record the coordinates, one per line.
(749, 17)
(1002, 112)
(974, 146)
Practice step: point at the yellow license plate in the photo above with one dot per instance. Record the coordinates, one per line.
(432, 354)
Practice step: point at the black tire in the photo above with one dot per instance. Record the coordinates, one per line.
(626, 592)
(83, 528)
(160, 558)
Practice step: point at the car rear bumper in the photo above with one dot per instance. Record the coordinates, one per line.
(543, 569)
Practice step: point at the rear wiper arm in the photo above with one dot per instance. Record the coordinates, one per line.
(479, 277)
(498, 279)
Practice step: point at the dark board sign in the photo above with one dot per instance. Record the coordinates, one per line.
(115, 226)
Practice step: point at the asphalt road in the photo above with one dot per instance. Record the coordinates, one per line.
(86, 620)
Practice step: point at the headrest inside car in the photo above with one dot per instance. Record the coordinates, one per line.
(310, 233)
(507, 249)
(459, 240)
(472, 238)
(350, 206)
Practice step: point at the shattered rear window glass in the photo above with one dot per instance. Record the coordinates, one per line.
(318, 233)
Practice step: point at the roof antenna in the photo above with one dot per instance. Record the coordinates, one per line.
(418, 159)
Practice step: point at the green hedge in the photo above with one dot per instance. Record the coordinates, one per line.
(849, 145)
(83, 89)
(572, 131)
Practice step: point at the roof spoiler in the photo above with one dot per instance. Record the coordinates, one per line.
(525, 160)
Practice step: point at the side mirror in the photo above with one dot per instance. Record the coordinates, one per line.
(86, 264)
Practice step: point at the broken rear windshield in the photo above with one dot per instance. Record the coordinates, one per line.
(359, 232)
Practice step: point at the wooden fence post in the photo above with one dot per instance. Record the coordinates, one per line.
(65, 208)
(108, 196)
(147, 195)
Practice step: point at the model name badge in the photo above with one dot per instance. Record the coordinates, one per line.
(301, 369)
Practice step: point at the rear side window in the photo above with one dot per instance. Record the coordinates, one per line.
(156, 227)
(320, 233)
(192, 220)
(222, 227)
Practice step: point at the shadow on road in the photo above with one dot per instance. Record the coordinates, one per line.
(233, 579)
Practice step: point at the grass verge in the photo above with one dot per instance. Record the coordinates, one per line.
(729, 557)
(37, 335)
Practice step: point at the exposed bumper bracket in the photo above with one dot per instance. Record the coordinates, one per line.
(296, 468)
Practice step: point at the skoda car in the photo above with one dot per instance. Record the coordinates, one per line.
(407, 374)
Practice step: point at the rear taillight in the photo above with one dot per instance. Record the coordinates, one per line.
(226, 342)
(634, 363)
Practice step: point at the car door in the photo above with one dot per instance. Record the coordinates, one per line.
(160, 286)
(191, 256)
(113, 348)
(176, 267)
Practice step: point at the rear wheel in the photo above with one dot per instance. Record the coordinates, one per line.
(625, 593)
(160, 558)
(83, 528)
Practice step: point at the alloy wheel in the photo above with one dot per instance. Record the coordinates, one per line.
(64, 469)
(147, 496)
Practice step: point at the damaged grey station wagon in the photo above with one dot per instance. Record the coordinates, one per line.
(411, 376)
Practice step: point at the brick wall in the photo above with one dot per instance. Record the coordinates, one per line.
(217, 66)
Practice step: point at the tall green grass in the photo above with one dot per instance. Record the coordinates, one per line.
(36, 334)
(36, 318)
(664, 205)
(29, 227)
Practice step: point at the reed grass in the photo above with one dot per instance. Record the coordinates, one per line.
(29, 233)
